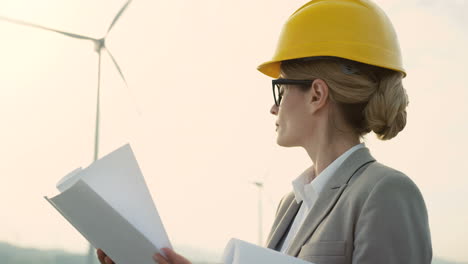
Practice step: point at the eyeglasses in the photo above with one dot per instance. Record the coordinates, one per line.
(278, 87)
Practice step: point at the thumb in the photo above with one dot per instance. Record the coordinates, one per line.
(174, 257)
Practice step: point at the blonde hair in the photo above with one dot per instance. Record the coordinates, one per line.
(370, 98)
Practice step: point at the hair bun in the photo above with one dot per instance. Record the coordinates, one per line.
(385, 112)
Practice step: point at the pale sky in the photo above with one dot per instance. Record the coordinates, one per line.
(204, 131)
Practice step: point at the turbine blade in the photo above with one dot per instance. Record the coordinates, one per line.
(117, 66)
(125, 81)
(23, 23)
(124, 7)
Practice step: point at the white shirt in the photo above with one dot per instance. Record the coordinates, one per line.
(307, 191)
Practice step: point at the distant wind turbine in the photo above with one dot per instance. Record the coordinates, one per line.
(259, 184)
(99, 45)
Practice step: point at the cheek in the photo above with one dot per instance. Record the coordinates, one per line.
(295, 121)
(293, 113)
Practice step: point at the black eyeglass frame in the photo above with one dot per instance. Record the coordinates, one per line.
(277, 82)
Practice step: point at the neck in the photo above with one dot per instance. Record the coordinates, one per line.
(328, 149)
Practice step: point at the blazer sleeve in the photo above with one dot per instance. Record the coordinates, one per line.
(393, 227)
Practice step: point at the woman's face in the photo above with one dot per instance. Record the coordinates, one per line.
(294, 123)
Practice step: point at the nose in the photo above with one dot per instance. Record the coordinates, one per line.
(274, 109)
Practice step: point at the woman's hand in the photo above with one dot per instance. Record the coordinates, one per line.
(172, 257)
(103, 258)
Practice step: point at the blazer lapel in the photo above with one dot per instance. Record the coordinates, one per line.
(284, 223)
(329, 196)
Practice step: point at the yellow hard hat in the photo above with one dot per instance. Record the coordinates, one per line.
(357, 30)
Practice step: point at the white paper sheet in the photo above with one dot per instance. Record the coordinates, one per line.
(111, 206)
(241, 252)
(102, 226)
(119, 181)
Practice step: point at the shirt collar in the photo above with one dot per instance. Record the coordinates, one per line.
(307, 190)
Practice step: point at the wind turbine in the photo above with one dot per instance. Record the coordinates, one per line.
(99, 45)
(259, 185)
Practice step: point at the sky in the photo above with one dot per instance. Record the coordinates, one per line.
(196, 113)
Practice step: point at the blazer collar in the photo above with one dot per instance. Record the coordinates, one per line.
(329, 196)
(284, 222)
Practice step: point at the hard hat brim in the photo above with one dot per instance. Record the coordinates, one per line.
(273, 68)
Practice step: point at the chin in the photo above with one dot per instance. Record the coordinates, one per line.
(284, 142)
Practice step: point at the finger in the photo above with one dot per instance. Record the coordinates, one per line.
(108, 260)
(101, 255)
(174, 257)
(160, 259)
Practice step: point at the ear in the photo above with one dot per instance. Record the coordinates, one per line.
(317, 96)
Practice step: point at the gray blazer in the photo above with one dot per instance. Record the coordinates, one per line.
(366, 214)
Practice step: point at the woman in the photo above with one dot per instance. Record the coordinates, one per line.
(341, 74)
